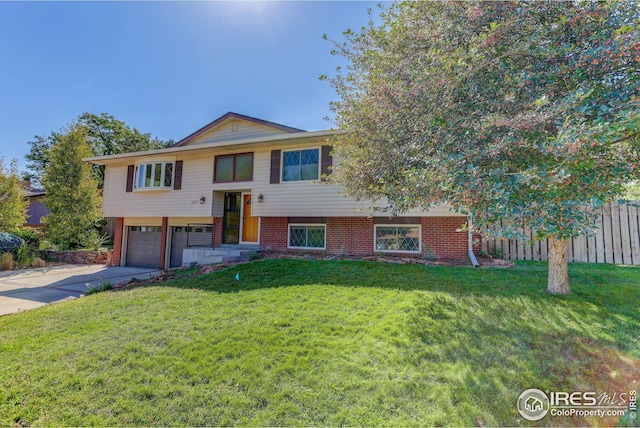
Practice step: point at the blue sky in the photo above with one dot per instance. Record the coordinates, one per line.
(166, 68)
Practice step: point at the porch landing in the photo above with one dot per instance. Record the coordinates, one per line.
(221, 254)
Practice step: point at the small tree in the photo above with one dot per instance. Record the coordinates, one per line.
(13, 198)
(525, 112)
(72, 191)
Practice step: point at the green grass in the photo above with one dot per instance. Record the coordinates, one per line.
(323, 343)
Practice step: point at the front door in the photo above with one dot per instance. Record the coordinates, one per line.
(231, 221)
(249, 223)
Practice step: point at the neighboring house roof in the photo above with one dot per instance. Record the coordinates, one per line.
(229, 116)
(32, 191)
(36, 209)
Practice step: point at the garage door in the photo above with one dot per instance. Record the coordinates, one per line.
(182, 237)
(143, 246)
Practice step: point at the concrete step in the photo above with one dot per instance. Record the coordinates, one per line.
(224, 253)
(239, 247)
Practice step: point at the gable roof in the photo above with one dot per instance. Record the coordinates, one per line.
(232, 115)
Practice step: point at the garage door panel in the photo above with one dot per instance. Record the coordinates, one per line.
(181, 237)
(143, 246)
(178, 243)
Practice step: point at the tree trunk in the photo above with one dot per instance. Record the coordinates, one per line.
(558, 267)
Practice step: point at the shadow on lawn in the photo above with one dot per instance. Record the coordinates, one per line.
(508, 345)
(603, 285)
(498, 327)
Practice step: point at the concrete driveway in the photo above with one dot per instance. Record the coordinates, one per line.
(26, 289)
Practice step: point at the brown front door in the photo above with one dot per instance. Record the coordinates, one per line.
(249, 223)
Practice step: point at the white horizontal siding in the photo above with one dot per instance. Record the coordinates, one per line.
(290, 199)
(245, 130)
(311, 198)
(196, 182)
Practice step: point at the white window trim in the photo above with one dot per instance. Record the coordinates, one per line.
(375, 234)
(324, 247)
(164, 162)
(282, 180)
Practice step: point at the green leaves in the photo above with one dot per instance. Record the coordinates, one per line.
(13, 199)
(105, 135)
(72, 191)
(523, 112)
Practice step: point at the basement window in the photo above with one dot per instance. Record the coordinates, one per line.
(398, 239)
(307, 236)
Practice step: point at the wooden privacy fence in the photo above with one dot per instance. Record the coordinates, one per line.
(617, 240)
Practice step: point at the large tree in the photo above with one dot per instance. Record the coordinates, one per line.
(13, 198)
(72, 191)
(105, 135)
(525, 112)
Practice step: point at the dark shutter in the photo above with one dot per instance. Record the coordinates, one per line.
(327, 160)
(177, 178)
(275, 166)
(130, 178)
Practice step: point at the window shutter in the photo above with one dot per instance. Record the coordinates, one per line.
(327, 160)
(275, 166)
(177, 178)
(130, 178)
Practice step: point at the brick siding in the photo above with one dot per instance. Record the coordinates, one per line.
(355, 235)
(163, 242)
(217, 231)
(273, 233)
(117, 241)
(350, 236)
(439, 237)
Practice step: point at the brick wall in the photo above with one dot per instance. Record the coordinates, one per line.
(273, 233)
(350, 235)
(354, 236)
(117, 241)
(163, 241)
(439, 237)
(217, 231)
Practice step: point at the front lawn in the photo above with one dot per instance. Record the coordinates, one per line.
(323, 343)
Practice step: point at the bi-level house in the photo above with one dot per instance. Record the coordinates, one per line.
(249, 182)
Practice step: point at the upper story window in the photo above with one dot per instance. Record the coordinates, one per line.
(237, 167)
(300, 165)
(153, 175)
